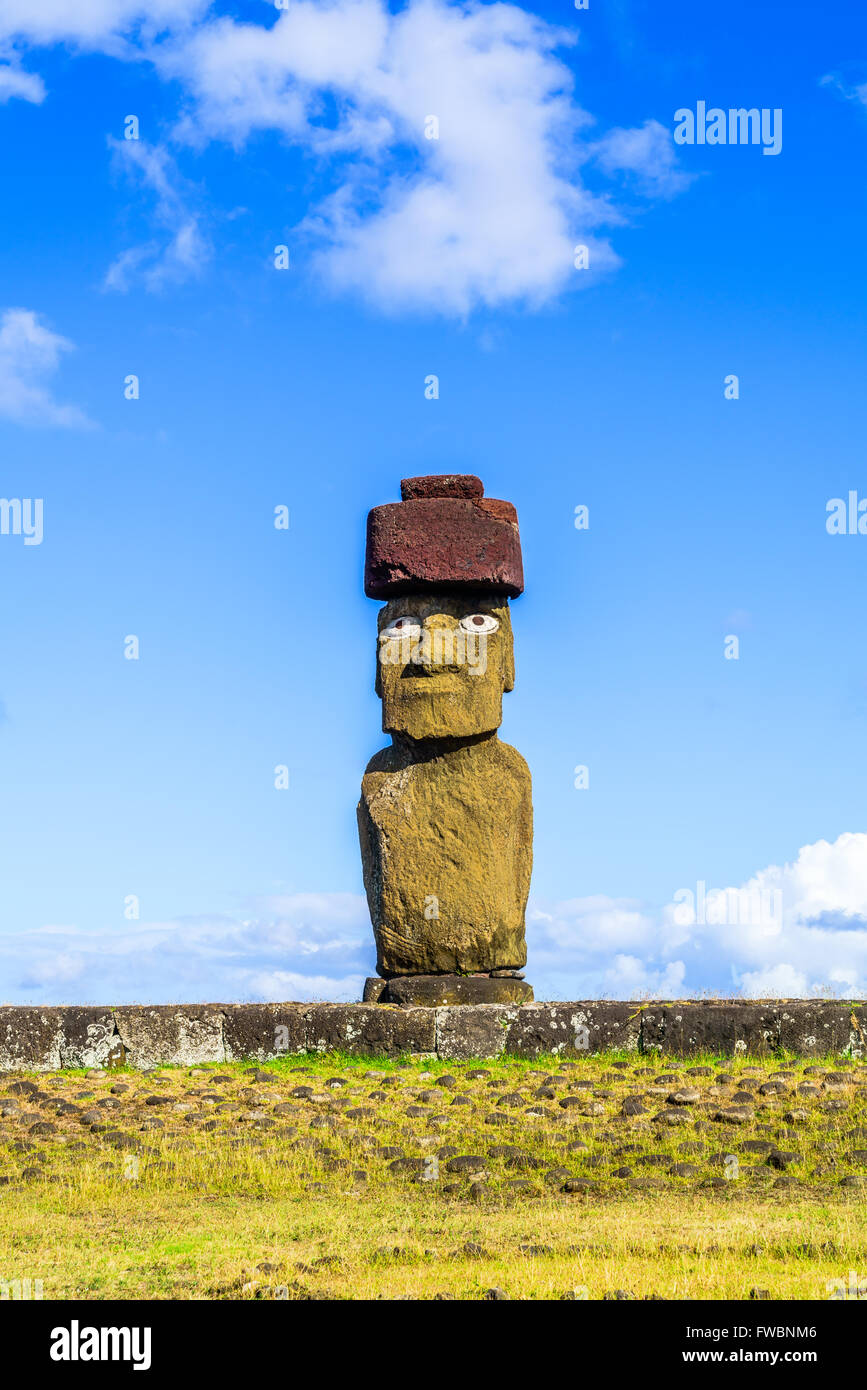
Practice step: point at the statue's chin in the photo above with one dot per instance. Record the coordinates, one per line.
(445, 704)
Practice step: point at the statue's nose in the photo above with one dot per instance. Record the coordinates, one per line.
(438, 647)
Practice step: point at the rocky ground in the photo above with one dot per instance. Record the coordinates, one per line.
(359, 1178)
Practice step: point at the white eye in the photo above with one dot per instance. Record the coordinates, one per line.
(479, 622)
(402, 627)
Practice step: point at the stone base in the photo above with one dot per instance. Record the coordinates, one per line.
(42, 1038)
(429, 991)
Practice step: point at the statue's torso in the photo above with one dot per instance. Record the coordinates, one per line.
(447, 852)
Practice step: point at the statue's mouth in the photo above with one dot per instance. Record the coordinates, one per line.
(429, 681)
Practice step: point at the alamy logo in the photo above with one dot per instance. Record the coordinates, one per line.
(20, 1289)
(729, 907)
(440, 647)
(76, 1343)
(22, 516)
(737, 126)
(856, 1287)
(846, 516)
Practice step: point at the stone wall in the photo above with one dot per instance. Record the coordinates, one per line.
(43, 1039)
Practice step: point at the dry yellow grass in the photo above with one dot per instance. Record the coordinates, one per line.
(267, 1202)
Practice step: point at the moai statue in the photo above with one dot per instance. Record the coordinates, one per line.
(445, 817)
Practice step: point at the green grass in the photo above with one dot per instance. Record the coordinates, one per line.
(189, 1212)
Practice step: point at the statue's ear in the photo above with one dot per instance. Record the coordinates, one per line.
(509, 663)
(377, 682)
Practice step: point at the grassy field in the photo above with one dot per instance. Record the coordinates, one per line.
(339, 1177)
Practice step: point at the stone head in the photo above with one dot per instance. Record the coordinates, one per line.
(443, 663)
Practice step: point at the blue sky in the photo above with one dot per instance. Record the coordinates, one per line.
(260, 127)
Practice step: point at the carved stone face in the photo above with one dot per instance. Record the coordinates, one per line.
(443, 662)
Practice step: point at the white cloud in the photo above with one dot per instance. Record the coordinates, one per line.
(487, 214)
(29, 353)
(15, 82)
(737, 943)
(279, 986)
(777, 982)
(301, 946)
(647, 153)
(183, 250)
(95, 24)
(320, 946)
(628, 976)
(858, 92)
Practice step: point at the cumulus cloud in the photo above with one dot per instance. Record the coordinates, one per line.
(304, 946)
(319, 946)
(792, 930)
(108, 25)
(454, 140)
(15, 82)
(29, 352)
(182, 250)
(449, 134)
(647, 154)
